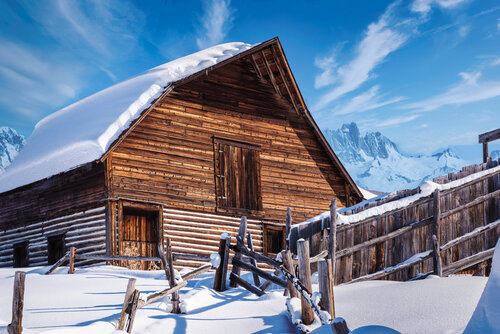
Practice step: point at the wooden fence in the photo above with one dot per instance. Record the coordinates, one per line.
(398, 245)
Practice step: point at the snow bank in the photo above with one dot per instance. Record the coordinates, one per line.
(486, 317)
(83, 131)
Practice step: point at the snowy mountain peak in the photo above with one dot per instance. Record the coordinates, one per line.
(351, 147)
(376, 163)
(11, 143)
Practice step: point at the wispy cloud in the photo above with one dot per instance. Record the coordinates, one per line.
(368, 100)
(216, 22)
(469, 89)
(396, 121)
(424, 6)
(328, 76)
(30, 81)
(380, 39)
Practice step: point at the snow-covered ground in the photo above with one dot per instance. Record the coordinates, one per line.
(90, 301)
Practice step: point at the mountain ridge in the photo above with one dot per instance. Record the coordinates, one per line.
(11, 142)
(375, 162)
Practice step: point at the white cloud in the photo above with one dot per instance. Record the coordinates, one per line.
(396, 121)
(424, 6)
(110, 28)
(216, 21)
(328, 76)
(495, 62)
(368, 100)
(469, 90)
(380, 39)
(463, 31)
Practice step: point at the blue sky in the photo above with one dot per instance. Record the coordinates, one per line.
(426, 73)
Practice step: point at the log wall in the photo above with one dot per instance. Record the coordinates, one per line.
(169, 156)
(199, 233)
(70, 202)
(84, 230)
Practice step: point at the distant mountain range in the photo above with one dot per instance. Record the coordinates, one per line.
(376, 163)
(11, 143)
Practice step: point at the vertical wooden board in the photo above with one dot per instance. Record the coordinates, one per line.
(348, 272)
(372, 251)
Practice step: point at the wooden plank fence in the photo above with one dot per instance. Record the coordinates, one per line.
(398, 244)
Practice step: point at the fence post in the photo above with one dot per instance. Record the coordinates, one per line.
(175, 296)
(71, 269)
(286, 256)
(305, 278)
(326, 286)
(126, 302)
(256, 278)
(288, 227)
(16, 326)
(436, 235)
(240, 239)
(339, 326)
(332, 237)
(133, 310)
(221, 272)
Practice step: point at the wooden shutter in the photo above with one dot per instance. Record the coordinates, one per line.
(237, 175)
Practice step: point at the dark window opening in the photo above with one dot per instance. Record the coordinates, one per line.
(274, 239)
(56, 248)
(21, 255)
(237, 175)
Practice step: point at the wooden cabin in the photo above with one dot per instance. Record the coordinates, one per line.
(234, 138)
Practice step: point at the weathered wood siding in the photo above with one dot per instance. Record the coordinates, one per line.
(169, 157)
(199, 233)
(65, 202)
(464, 208)
(84, 230)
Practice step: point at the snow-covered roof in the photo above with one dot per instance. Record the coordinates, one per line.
(83, 131)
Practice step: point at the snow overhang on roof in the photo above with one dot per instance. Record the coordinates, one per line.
(83, 131)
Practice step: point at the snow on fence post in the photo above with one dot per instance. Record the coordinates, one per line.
(175, 296)
(436, 236)
(240, 240)
(71, 269)
(16, 325)
(332, 238)
(126, 302)
(339, 326)
(326, 286)
(288, 227)
(286, 256)
(221, 272)
(305, 277)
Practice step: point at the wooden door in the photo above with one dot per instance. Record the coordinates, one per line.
(139, 237)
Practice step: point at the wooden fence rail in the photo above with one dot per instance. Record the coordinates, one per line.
(463, 217)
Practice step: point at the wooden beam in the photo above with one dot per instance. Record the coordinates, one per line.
(485, 152)
(16, 325)
(250, 287)
(240, 241)
(128, 295)
(489, 136)
(260, 272)
(468, 261)
(256, 278)
(221, 272)
(305, 278)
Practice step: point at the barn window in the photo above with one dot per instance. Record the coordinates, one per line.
(274, 239)
(56, 248)
(21, 255)
(237, 175)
